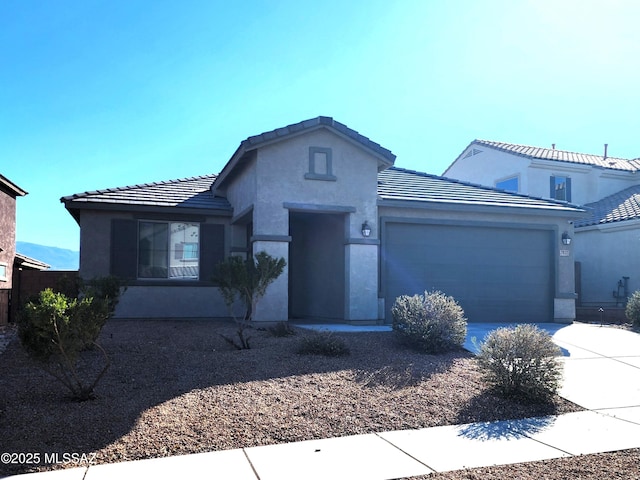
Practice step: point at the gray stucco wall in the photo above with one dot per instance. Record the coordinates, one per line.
(607, 254)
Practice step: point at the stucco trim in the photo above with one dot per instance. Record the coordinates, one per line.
(318, 208)
(271, 238)
(362, 241)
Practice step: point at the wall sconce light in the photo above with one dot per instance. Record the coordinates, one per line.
(566, 239)
(366, 229)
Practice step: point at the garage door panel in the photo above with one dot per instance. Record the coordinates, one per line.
(496, 274)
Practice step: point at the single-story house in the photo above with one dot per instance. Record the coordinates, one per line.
(355, 230)
(606, 239)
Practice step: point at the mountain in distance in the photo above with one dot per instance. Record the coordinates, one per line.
(58, 258)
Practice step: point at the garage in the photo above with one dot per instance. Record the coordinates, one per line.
(496, 273)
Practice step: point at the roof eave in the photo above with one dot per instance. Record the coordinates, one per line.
(8, 185)
(567, 212)
(75, 208)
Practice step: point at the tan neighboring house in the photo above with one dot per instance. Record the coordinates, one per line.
(9, 192)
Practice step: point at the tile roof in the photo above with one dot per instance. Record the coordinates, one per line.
(408, 185)
(621, 206)
(562, 155)
(192, 193)
(256, 140)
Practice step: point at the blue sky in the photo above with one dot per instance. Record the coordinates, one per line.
(97, 94)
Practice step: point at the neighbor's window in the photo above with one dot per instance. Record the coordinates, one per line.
(3, 272)
(168, 250)
(560, 188)
(509, 184)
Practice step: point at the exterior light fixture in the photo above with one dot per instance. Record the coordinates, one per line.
(566, 239)
(366, 229)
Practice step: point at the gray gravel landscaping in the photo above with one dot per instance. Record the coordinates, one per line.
(177, 387)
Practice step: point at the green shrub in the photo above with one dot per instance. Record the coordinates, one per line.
(55, 329)
(431, 323)
(323, 343)
(521, 362)
(633, 309)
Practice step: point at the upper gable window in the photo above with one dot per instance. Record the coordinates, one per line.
(560, 188)
(320, 164)
(511, 184)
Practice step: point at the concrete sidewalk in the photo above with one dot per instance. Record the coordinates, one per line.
(602, 374)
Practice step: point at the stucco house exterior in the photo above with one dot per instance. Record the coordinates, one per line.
(9, 192)
(607, 239)
(355, 230)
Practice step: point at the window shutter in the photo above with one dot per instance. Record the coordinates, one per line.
(211, 249)
(568, 189)
(124, 248)
(552, 187)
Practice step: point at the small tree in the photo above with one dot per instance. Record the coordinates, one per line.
(246, 281)
(55, 329)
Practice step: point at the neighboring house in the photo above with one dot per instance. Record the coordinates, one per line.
(607, 240)
(9, 192)
(356, 232)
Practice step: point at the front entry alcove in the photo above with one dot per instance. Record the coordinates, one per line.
(316, 265)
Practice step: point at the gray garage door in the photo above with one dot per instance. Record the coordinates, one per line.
(495, 274)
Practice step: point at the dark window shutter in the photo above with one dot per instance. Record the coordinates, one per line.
(124, 248)
(552, 187)
(211, 249)
(568, 189)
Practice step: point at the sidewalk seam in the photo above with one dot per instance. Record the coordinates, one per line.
(377, 434)
(255, 472)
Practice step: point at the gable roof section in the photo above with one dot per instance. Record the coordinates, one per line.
(190, 194)
(619, 207)
(384, 155)
(540, 153)
(401, 185)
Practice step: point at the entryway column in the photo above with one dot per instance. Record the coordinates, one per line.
(361, 279)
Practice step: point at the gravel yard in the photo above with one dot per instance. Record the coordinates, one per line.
(176, 387)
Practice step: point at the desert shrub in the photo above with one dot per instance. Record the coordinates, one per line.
(246, 281)
(632, 310)
(521, 362)
(281, 329)
(431, 323)
(323, 343)
(55, 329)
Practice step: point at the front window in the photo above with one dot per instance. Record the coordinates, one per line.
(168, 250)
(3, 272)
